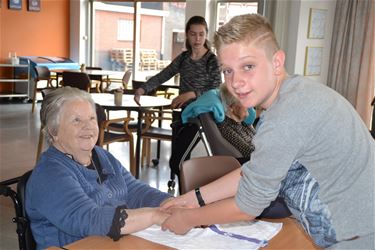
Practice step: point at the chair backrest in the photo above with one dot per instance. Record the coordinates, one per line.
(77, 79)
(219, 145)
(42, 73)
(94, 68)
(25, 234)
(200, 171)
(101, 117)
(93, 77)
(126, 78)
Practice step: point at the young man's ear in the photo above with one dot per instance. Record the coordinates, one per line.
(278, 61)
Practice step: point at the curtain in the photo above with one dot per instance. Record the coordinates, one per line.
(351, 66)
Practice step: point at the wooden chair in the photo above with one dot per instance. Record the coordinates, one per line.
(79, 80)
(200, 171)
(156, 132)
(96, 80)
(42, 74)
(107, 135)
(124, 81)
(152, 131)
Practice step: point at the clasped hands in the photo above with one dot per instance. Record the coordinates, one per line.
(178, 209)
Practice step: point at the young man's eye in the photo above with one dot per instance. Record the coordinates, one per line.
(249, 67)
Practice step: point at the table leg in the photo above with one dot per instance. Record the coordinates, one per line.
(138, 144)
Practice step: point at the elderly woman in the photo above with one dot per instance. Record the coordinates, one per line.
(235, 128)
(78, 189)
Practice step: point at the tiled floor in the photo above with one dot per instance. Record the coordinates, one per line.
(19, 131)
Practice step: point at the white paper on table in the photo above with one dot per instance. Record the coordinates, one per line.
(205, 238)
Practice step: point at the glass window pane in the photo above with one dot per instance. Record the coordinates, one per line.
(158, 48)
(112, 35)
(227, 10)
(159, 35)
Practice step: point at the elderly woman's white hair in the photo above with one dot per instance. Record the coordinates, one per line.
(226, 97)
(52, 105)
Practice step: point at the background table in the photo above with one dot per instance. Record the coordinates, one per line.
(291, 236)
(128, 103)
(90, 72)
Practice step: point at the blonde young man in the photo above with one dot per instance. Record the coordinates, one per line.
(311, 148)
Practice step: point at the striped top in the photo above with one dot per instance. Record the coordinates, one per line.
(195, 75)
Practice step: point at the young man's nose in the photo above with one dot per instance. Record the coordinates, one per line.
(237, 80)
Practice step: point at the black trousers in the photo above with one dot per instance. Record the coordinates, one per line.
(182, 136)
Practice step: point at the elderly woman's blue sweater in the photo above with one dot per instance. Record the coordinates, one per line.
(65, 202)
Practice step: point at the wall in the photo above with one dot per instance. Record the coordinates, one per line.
(298, 41)
(43, 33)
(35, 33)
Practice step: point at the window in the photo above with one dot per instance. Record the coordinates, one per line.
(125, 30)
(158, 36)
(228, 9)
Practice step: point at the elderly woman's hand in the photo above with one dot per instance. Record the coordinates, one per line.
(160, 216)
(177, 222)
(187, 200)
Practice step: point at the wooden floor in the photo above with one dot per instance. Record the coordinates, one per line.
(19, 131)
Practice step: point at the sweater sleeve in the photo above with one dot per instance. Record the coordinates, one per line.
(214, 74)
(164, 75)
(142, 194)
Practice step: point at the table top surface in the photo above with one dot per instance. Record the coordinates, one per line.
(291, 236)
(107, 100)
(90, 71)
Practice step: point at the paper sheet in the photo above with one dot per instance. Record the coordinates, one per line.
(247, 235)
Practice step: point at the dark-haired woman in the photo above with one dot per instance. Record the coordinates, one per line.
(199, 72)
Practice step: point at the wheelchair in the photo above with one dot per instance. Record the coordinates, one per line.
(23, 230)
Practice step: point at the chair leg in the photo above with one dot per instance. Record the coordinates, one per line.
(49, 83)
(143, 151)
(132, 157)
(148, 155)
(34, 96)
(97, 87)
(40, 144)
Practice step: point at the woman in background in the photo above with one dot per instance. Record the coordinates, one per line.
(199, 72)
